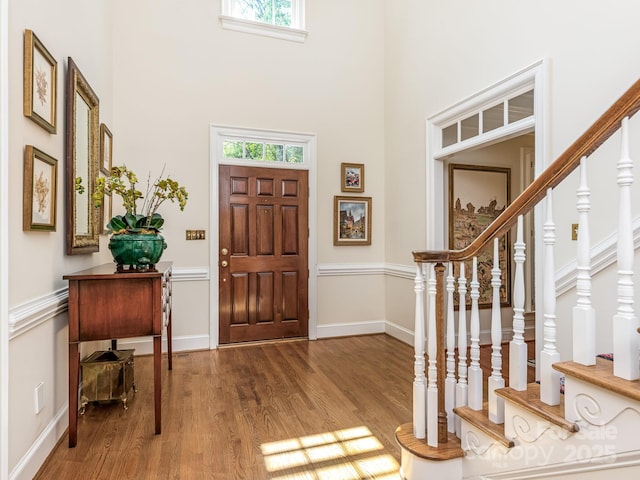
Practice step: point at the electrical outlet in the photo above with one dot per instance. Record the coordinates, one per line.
(574, 231)
(39, 397)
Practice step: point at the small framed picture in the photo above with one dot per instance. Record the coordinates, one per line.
(352, 220)
(40, 190)
(105, 214)
(40, 83)
(106, 149)
(352, 175)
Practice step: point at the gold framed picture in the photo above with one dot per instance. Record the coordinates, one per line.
(106, 149)
(352, 220)
(40, 83)
(477, 195)
(40, 190)
(352, 175)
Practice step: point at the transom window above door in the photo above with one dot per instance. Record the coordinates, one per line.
(265, 148)
(274, 18)
(508, 112)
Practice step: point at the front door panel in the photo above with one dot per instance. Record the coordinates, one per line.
(263, 266)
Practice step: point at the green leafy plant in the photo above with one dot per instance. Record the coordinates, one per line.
(146, 219)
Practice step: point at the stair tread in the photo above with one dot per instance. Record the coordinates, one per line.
(601, 374)
(480, 420)
(530, 400)
(418, 447)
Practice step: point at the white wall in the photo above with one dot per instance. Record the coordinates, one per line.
(177, 71)
(37, 260)
(164, 71)
(439, 53)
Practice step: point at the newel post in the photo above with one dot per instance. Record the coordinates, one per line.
(441, 355)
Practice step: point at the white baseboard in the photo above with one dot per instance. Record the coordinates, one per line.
(33, 459)
(348, 329)
(144, 345)
(406, 336)
(401, 333)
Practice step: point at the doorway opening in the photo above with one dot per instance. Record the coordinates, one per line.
(273, 153)
(501, 126)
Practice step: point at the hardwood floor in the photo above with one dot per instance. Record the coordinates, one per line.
(294, 410)
(326, 409)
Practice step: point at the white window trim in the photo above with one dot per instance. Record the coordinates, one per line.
(296, 33)
(266, 136)
(530, 77)
(216, 137)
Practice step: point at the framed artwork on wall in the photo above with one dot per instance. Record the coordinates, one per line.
(106, 149)
(39, 191)
(352, 177)
(477, 195)
(40, 83)
(352, 220)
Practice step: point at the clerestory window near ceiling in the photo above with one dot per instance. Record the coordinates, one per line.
(274, 18)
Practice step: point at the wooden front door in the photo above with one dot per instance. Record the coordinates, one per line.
(263, 266)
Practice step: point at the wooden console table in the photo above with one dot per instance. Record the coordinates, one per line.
(105, 305)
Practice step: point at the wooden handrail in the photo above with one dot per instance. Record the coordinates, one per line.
(626, 106)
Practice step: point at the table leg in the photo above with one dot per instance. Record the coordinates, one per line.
(169, 342)
(74, 367)
(157, 379)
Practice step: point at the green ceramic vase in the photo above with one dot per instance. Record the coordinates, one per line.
(137, 252)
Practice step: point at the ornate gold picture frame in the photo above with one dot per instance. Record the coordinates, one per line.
(352, 220)
(40, 83)
(40, 190)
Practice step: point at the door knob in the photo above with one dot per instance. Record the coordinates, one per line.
(224, 263)
(224, 251)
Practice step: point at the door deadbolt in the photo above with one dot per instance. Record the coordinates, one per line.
(224, 251)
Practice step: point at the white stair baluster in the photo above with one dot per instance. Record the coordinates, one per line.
(419, 383)
(549, 378)
(625, 323)
(432, 386)
(584, 316)
(475, 372)
(462, 387)
(517, 346)
(450, 381)
(496, 404)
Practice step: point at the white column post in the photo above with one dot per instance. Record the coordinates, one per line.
(517, 346)
(584, 316)
(496, 404)
(475, 372)
(419, 383)
(549, 378)
(450, 381)
(625, 323)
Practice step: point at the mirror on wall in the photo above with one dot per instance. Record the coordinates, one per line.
(82, 149)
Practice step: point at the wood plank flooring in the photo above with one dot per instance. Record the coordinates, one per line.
(325, 409)
(296, 410)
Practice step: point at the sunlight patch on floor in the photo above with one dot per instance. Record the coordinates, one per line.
(349, 454)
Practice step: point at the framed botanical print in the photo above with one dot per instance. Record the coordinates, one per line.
(40, 83)
(40, 190)
(477, 195)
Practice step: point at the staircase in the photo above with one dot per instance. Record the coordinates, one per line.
(582, 418)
